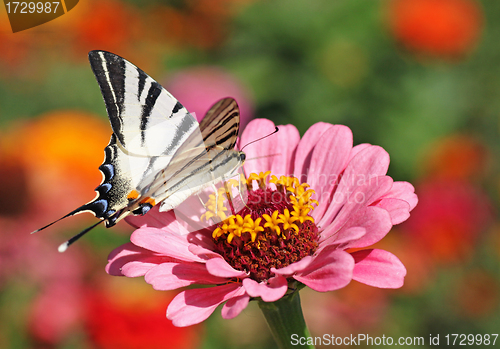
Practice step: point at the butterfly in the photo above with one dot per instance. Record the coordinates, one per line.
(158, 153)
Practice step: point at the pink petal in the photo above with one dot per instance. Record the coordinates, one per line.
(328, 160)
(356, 149)
(269, 291)
(281, 146)
(294, 267)
(359, 198)
(141, 266)
(399, 210)
(128, 253)
(196, 305)
(378, 268)
(342, 236)
(376, 222)
(306, 147)
(202, 238)
(170, 276)
(403, 191)
(219, 267)
(234, 306)
(330, 270)
(164, 242)
(202, 252)
(358, 177)
(156, 219)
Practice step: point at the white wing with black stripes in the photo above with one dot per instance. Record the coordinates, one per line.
(158, 153)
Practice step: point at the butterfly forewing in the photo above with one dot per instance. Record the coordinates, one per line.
(146, 119)
(158, 153)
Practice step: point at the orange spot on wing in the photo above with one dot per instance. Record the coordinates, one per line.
(134, 194)
(148, 200)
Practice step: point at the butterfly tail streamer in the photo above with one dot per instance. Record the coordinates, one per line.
(64, 246)
(83, 208)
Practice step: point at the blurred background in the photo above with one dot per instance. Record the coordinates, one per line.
(420, 78)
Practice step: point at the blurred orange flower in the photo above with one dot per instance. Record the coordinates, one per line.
(61, 152)
(442, 28)
(457, 157)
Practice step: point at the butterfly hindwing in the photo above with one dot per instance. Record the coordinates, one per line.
(204, 158)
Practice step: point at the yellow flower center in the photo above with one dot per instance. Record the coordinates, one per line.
(273, 229)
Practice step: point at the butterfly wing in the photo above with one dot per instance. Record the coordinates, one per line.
(157, 152)
(204, 158)
(146, 119)
(149, 125)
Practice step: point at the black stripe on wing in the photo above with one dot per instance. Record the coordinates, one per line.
(112, 192)
(141, 83)
(221, 124)
(154, 92)
(109, 70)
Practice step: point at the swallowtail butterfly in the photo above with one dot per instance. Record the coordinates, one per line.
(158, 153)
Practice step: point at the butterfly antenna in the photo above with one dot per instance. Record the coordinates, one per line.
(64, 246)
(264, 156)
(276, 130)
(72, 213)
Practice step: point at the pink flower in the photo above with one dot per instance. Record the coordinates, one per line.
(288, 233)
(197, 88)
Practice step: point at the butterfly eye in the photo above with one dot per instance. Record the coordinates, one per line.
(242, 156)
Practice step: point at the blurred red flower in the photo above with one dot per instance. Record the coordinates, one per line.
(104, 24)
(443, 28)
(14, 48)
(56, 312)
(134, 319)
(448, 220)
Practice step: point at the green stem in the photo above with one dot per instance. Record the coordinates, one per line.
(286, 322)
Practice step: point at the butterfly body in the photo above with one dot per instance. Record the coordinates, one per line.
(158, 153)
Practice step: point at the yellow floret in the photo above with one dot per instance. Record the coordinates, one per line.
(272, 222)
(288, 221)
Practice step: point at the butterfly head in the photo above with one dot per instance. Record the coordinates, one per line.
(242, 156)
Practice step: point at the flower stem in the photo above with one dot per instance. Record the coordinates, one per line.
(286, 322)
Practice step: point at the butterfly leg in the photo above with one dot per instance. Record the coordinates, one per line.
(240, 191)
(216, 193)
(201, 202)
(227, 189)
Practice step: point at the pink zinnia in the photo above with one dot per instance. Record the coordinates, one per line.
(290, 233)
